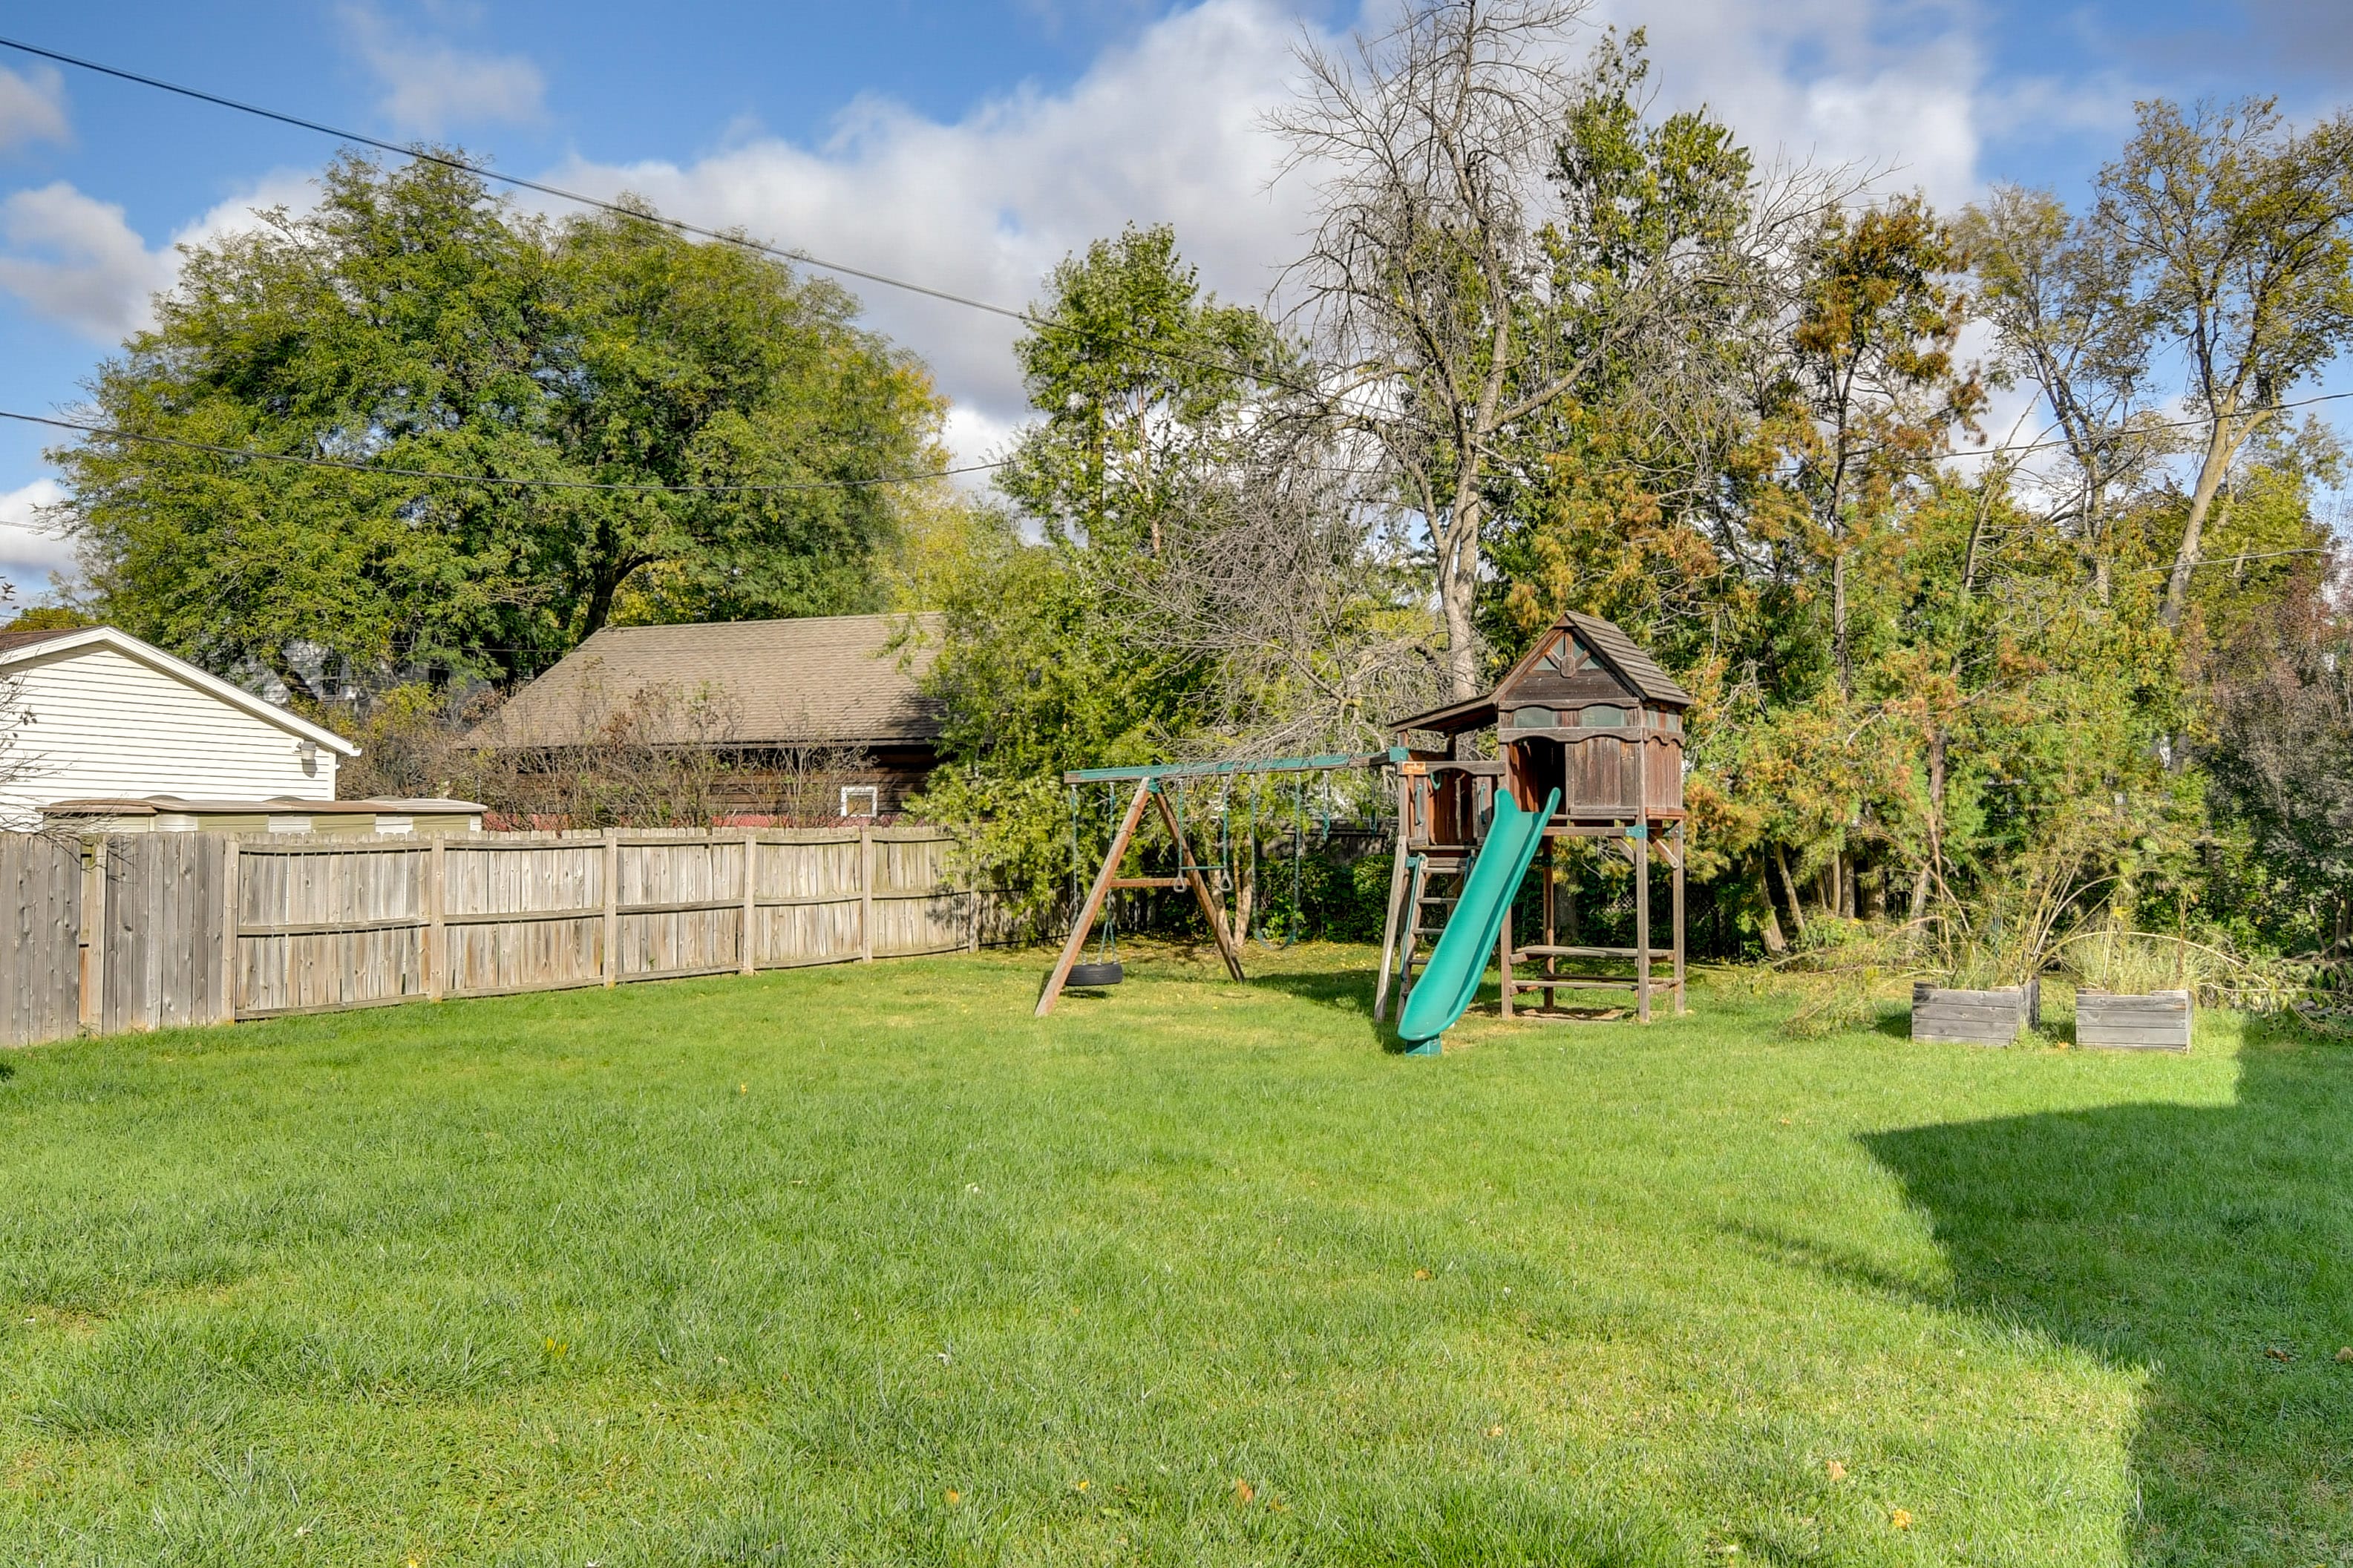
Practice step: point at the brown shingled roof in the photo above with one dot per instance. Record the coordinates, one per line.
(10, 641)
(823, 678)
(1616, 649)
(1630, 661)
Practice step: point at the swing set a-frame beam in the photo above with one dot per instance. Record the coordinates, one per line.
(1147, 789)
(1328, 761)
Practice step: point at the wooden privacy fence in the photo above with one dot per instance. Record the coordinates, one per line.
(145, 930)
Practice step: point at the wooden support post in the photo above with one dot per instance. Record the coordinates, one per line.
(1503, 949)
(437, 929)
(1643, 870)
(1551, 913)
(1678, 841)
(866, 895)
(1639, 847)
(1192, 873)
(612, 906)
(230, 905)
(1086, 920)
(751, 937)
(1397, 879)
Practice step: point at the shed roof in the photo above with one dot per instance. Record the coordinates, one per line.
(831, 679)
(278, 805)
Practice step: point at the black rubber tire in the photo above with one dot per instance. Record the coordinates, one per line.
(1093, 974)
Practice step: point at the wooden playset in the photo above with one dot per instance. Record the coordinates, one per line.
(1585, 712)
(1586, 720)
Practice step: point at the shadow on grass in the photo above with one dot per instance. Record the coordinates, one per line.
(1350, 990)
(2210, 1248)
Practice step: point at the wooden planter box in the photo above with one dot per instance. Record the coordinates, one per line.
(1974, 1017)
(2157, 1022)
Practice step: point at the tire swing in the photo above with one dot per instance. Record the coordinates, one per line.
(1106, 968)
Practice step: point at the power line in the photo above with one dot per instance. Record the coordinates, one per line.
(303, 461)
(2127, 431)
(803, 258)
(426, 154)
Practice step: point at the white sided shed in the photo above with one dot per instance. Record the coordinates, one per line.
(94, 712)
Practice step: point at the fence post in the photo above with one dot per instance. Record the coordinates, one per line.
(437, 933)
(971, 904)
(612, 906)
(866, 895)
(751, 899)
(93, 935)
(230, 904)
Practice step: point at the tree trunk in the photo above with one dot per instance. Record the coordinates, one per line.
(1920, 885)
(1776, 945)
(2095, 533)
(1789, 885)
(2220, 443)
(600, 603)
(1936, 822)
(1838, 624)
(1458, 589)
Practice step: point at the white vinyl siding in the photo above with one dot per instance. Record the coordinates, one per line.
(105, 725)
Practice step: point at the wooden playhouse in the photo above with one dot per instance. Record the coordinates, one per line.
(1588, 713)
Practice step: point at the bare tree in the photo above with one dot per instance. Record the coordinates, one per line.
(1455, 278)
(2063, 307)
(799, 783)
(2235, 229)
(1273, 578)
(1429, 144)
(16, 764)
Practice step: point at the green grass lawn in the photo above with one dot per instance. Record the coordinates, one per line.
(862, 1265)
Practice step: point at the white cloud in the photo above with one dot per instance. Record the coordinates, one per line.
(1163, 130)
(1166, 128)
(28, 552)
(32, 106)
(77, 260)
(431, 84)
(1879, 85)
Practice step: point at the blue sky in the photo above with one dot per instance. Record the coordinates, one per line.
(967, 144)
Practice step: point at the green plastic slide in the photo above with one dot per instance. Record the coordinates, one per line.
(1451, 979)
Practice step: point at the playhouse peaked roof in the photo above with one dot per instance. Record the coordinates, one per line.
(1617, 650)
(1612, 647)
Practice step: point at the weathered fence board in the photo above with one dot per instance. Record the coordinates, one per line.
(2158, 1021)
(188, 928)
(320, 931)
(40, 971)
(164, 965)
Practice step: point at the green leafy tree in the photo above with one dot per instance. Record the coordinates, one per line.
(1144, 386)
(2235, 229)
(1139, 380)
(413, 321)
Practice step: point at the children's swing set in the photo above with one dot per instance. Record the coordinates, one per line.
(1588, 745)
